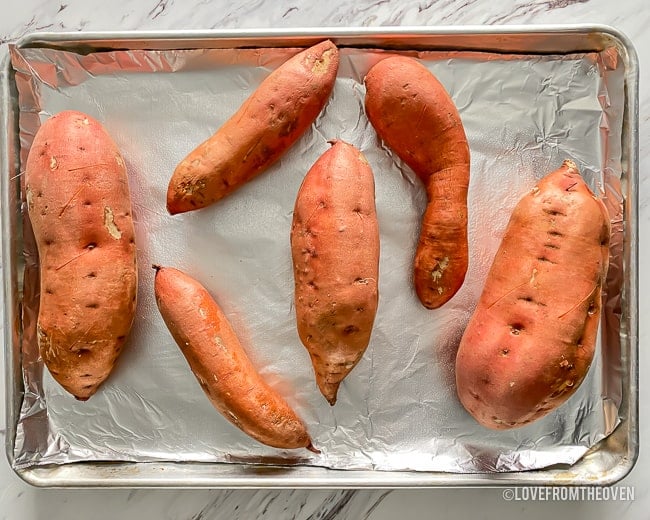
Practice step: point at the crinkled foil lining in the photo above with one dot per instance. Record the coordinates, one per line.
(398, 409)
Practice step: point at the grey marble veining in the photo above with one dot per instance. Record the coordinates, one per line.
(19, 501)
(75, 15)
(186, 505)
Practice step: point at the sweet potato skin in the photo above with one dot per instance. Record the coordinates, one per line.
(531, 340)
(335, 252)
(79, 205)
(220, 364)
(414, 115)
(269, 122)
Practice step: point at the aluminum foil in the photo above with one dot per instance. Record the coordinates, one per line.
(398, 409)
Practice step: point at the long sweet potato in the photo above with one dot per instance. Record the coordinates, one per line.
(220, 364)
(415, 116)
(335, 251)
(79, 206)
(272, 119)
(531, 340)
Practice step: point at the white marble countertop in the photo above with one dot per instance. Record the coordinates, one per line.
(20, 501)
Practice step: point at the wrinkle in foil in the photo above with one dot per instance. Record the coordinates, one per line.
(398, 409)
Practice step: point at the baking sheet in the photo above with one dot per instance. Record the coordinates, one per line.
(397, 410)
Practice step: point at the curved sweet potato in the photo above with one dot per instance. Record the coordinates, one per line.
(79, 206)
(335, 251)
(531, 340)
(221, 365)
(271, 120)
(415, 116)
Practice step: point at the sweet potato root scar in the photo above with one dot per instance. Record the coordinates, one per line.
(306, 230)
(109, 224)
(579, 303)
(53, 163)
(88, 166)
(421, 115)
(250, 150)
(507, 293)
(532, 282)
(77, 349)
(65, 206)
(85, 251)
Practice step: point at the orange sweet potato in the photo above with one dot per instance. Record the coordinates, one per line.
(335, 251)
(220, 364)
(531, 340)
(79, 206)
(272, 119)
(415, 116)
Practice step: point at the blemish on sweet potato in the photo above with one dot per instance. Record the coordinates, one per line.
(109, 223)
(29, 198)
(322, 65)
(439, 269)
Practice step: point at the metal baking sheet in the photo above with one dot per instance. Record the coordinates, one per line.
(51, 435)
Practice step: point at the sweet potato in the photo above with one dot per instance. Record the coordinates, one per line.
(79, 205)
(272, 119)
(335, 251)
(531, 340)
(415, 116)
(220, 364)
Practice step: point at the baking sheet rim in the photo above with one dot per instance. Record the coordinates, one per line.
(629, 424)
